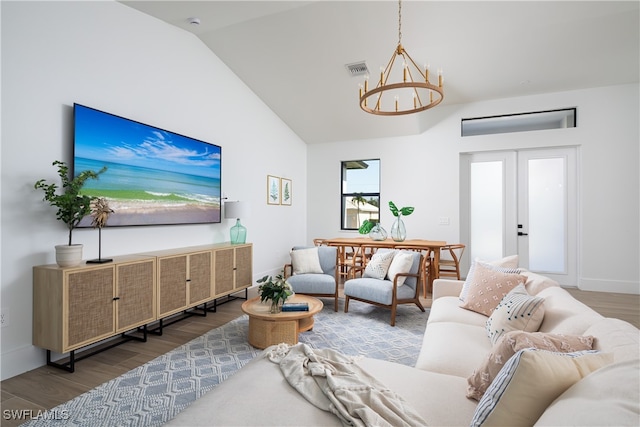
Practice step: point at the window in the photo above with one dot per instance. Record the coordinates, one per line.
(360, 193)
(520, 122)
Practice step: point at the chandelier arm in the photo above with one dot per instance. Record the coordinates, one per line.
(384, 76)
(415, 65)
(416, 95)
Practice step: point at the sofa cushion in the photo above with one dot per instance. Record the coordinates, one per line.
(376, 290)
(447, 309)
(379, 264)
(401, 263)
(305, 261)
(616, 336)
(606, 397)
(530, 381)
(226, 405)
(508, 265)
(536, 282)
(453, 348)
(313, 283)
(564, 314)
(438, 398)
(514, 341)
(487, 287)
(518, 311)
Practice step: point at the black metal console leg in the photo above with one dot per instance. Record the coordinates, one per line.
(70, 366)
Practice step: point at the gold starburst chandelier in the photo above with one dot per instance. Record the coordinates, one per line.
(407, 96)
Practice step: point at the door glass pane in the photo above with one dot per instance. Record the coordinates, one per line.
(547, 213)
(487, 207)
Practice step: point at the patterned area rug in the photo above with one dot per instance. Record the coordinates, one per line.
(157, 391)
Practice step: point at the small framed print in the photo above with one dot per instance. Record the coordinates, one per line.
(285, 192)
(273, 190)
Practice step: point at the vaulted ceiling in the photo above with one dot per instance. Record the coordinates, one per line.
(292, 54)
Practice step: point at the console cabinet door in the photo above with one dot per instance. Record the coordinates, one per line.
(135, 294)
(224, 278)
(244, 267)
(89, 306)
(200, 278)
(233, 269)
(172, 285)
(184, 281)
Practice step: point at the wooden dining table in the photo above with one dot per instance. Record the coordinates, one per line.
(355, 243)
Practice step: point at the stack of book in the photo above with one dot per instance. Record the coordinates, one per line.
(295, 306)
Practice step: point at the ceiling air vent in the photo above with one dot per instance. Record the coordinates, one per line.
(357, 68)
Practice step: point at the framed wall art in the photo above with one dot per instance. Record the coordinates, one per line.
(286, 191)
(273, 190)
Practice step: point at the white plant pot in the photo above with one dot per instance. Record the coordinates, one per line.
(69, 255)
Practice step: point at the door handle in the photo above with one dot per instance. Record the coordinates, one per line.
(520, 233)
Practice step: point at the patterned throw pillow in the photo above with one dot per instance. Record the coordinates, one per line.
(506, 265)
(510, 343)
(379, 264)
(518, 311)
(402, 263)
(530, 381)
(487, 287)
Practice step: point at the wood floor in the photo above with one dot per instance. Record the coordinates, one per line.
(46, 387)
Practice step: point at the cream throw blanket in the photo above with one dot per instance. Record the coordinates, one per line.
(333, 382)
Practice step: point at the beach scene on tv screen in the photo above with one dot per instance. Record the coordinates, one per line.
(153, 176)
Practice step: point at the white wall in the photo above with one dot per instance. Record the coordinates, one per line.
(113, 58)
(108, 56)
(423, 171)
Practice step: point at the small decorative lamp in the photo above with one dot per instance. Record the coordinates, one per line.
(237, 210)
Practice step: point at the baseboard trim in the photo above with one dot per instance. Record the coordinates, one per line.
(615, 286)
(20, 360)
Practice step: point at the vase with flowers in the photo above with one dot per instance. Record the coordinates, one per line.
(275, 291)
(398, 230)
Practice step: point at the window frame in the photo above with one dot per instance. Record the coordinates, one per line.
(345, 195)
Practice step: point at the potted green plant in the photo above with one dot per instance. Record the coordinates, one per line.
(274, 290)
(72, 207)
(398, 230)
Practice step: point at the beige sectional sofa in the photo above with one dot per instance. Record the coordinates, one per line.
(455, 345)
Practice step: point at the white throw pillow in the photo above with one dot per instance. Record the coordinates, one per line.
(518, 311)
(379, 264)
(510, 343)
(401, 263)
(530, 381)
(306, 261)
(505, 265)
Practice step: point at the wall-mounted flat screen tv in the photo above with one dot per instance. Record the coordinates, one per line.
(153, 176)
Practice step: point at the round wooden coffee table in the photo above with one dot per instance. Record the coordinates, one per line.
(267, 329)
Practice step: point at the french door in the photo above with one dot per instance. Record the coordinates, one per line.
(522, 202)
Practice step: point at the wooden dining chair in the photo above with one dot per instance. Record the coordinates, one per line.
(450, 256)
(319, 242)
(365, 252)
(349, 261)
